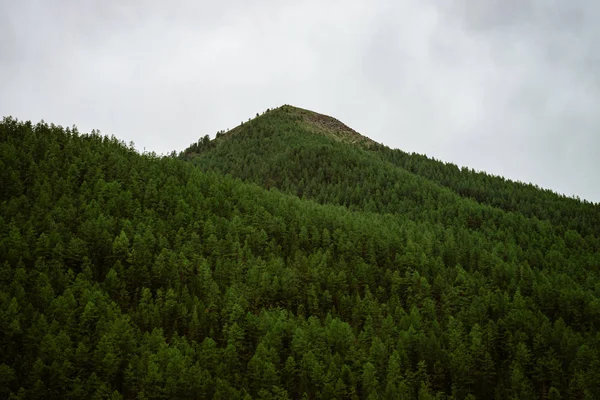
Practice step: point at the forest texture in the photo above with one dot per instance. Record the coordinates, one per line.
(288, 258)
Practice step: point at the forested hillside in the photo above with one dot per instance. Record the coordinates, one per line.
(292, 149)
(288, 258)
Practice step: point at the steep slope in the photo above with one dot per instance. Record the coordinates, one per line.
(527, 199)
(318, 157)
(277, 150)
(280, 149)
(130, 276)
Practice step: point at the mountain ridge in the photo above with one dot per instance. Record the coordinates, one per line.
(270, 140)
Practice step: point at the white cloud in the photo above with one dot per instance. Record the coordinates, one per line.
(506, 87)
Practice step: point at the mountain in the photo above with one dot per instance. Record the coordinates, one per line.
(297, 151)
(290, 257)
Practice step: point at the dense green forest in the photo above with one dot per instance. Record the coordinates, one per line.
(289, 258)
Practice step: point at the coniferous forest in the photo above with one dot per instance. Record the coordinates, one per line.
(288, 258)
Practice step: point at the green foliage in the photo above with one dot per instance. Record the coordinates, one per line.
(335, 270)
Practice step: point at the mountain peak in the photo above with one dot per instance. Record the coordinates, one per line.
(326, 125)
(310, 122)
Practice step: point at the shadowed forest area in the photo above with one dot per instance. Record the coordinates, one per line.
(289, 258)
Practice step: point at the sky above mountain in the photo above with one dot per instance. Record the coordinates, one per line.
(510, 87)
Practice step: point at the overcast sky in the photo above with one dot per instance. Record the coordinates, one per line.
(511, 87)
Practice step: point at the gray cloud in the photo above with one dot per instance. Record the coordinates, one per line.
(509, 87)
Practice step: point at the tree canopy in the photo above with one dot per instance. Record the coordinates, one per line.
(287, 258)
